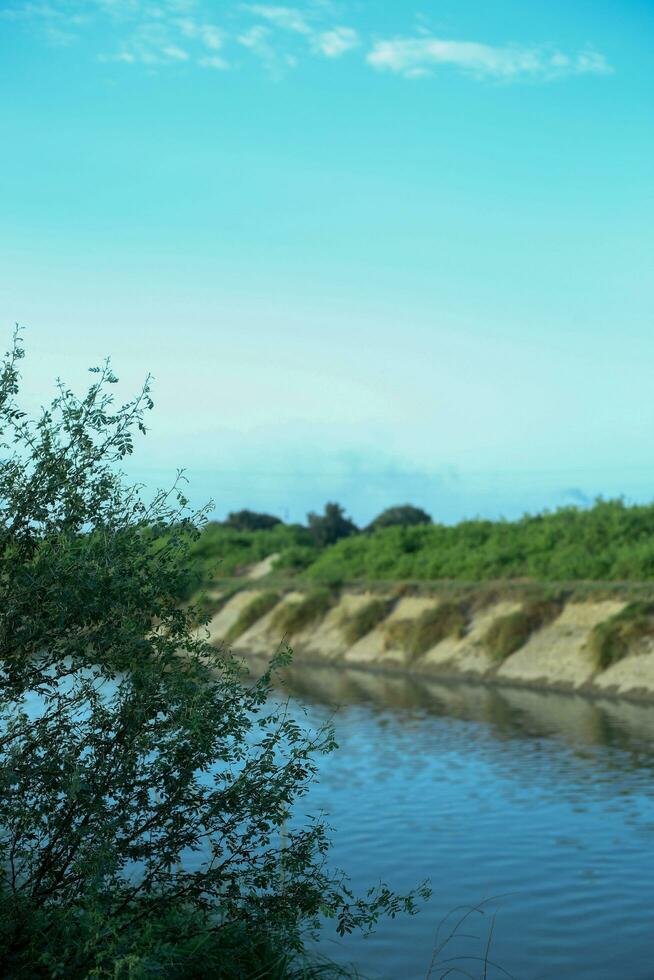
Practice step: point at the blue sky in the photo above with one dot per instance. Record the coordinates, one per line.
(371, 251)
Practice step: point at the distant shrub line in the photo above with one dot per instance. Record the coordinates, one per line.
(609, 541)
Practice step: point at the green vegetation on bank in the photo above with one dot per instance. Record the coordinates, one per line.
(416, 636)
(607, 542)
(295, 616)
(254, 611)
(508, 633)
(613, 639)
(364, 620)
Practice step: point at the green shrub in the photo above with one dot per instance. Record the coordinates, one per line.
(608, 541)
(508, 633)
(127, 742)
(296, 558)
(416, 636)
(611, 640)
(364, 620)
(331, 526)
(178, 944)
(404, 515)
(220, 550)
(258, 607)
(250, 520)
(295, 616)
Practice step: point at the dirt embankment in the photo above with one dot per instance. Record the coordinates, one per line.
(557, 655)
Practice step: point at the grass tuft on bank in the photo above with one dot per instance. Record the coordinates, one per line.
(293, 617)
(357, 625)
(612, 640)
(252, 613)
(416, 636)
(509, 633)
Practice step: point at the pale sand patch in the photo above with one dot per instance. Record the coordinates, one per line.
(633, 674)
(370, 649)
(556, 654)
(467, 655)
(225, 618)
(262, 567)
(262, 637)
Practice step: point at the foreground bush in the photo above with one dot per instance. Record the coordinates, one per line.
(143, 784)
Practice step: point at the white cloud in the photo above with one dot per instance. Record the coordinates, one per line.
(213, 61)
(168, 32)
(413, 57)
(174, 53)
(336, 42)
(288, 18)
(208, 34)
(257, 40)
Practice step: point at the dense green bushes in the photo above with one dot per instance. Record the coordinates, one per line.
(609, 541)
(222, 551)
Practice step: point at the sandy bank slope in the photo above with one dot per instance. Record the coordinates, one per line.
(554, 657)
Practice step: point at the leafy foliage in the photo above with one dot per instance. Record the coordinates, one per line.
(612, 639)
(142, 782)
(609, 541)
(404, 515)
(331, 526)
(508, 633)
(220, 551)
(255, 609)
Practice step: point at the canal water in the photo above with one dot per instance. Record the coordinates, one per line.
(533, 812)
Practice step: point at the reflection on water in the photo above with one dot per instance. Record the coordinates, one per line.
(542, 798)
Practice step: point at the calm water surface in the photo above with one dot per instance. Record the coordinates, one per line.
(541, 803)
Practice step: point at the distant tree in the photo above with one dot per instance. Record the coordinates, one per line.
(404, 515)
(250, 520)
(329, 527)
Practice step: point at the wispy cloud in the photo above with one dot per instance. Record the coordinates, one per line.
(288, 18)
(258, 41)
(159, 33)
(336, 42)
(415, 57)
